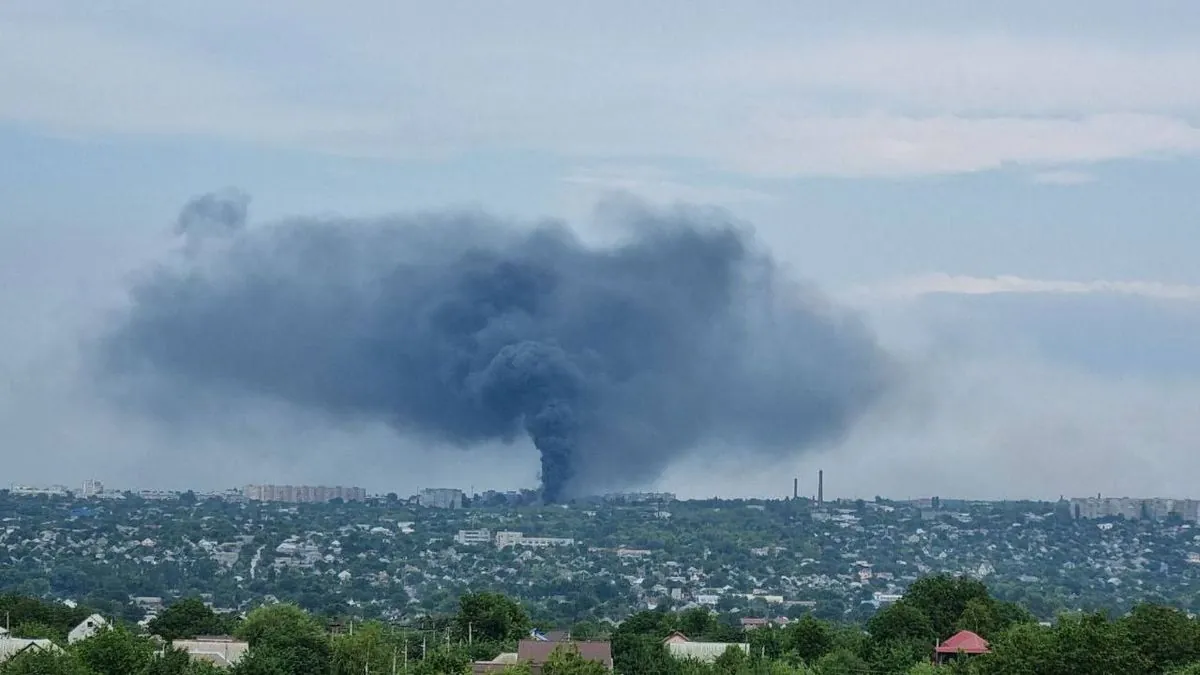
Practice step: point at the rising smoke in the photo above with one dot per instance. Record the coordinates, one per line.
(464, 329)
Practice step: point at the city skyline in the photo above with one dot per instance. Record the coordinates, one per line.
(1095, 505)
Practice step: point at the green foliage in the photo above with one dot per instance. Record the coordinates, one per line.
(188, 618)
(39, 662)
(567, 661)
(444, 661)
(369, 648)
(284, 639)
(943, 599)
(287, 640)
(19, 610)
(1166, 638)
(492, 617)
(902, 622)
(841, 662)
(731, 661)
(809, 638)
(116, 651)
(35, 630)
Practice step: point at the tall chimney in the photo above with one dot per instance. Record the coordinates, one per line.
(820, 487)
(795, 488)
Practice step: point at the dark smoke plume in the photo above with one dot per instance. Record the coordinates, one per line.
(462, 328)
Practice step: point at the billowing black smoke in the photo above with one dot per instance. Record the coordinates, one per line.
(614, 360)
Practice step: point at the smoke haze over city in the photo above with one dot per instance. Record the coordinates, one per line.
(616, 361)
(972, 232)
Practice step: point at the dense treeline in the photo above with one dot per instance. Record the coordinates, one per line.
(899, 640)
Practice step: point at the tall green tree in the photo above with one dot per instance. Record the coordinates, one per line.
(188, 618)
(369, 648)
(1166, 638)
(490, 616)
(40, 662)
(566, 660)
(809, 638)
(284, 638)
(943, 599)
(116, 651)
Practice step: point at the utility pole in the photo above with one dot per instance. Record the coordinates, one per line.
(469, 636)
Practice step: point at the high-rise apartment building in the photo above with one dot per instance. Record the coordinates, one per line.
(91, 488)
(303, 494)
(441, 498)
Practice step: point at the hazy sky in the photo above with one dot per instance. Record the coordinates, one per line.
(1005, 189)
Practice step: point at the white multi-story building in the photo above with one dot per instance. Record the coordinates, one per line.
(30, 490)
(1135, 509)
(303, 494)
(441, 498)
(473, 537)
(91, 488)
(504, 539)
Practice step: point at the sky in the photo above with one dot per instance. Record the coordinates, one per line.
(1003, 190)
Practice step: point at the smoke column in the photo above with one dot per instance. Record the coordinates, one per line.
(462, 328)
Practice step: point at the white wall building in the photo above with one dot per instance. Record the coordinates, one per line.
(504, 539)
(473, 537)
(91, 488)
(441, 498)
(87, 628)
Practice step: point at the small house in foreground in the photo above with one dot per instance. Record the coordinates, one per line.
(961, 644)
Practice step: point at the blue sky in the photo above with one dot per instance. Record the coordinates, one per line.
(1026, 160)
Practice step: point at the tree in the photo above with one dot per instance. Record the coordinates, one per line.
(901, 622)
(444, 662)
(367, 649)
(978, 618)
(186, 619)
(44, 662)
(490, 616)
(116, 651)
(286, 639)
(566, 660)
(1165, 637)
(1024, 649)
(697, 623)
(809, 638)
(943, 599)
(840, 662)
(36, 630)
(730, 661)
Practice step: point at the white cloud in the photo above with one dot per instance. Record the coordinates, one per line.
(930, 284)
(894, 146)
(657, 186)
(977, 74)
(384, 83)
(1063, 177)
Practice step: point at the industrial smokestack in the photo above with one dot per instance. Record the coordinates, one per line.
(795, 488)
(820, 487)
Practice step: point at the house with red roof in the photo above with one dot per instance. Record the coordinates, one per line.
(963, 643)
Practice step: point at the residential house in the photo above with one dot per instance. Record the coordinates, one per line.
(87, 628)
(680, 647)
(962, 644)
(10, 647)
(537, 652)
(219, 650)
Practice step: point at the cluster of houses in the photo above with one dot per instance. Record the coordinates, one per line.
(220, 651)
(536, 652)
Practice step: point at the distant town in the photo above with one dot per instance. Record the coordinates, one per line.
(1091, 508)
